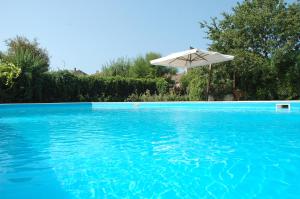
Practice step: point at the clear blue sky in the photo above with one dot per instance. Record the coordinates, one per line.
(87, 34)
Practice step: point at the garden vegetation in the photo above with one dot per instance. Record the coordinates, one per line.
(263, 35)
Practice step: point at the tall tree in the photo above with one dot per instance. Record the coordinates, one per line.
(27, 55)
(32, 60)
(264, 36)
(138, 67)
(119, 67)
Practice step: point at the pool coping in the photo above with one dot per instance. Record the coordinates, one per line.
(157, 102)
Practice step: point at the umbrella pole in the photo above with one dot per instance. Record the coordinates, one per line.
(185, 70)
(208, 81)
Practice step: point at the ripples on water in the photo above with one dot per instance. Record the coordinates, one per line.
(148, 153)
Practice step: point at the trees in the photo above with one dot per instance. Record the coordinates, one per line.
(159, 71)
(27, 55)
(119, 67)
(32, 61)
(24, 77)
(138, 67)
(264, 37)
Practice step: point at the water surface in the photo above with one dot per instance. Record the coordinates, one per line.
(167, 150)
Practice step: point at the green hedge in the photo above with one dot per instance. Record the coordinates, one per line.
(64, 86)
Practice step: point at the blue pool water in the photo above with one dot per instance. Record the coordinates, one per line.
(149, 150)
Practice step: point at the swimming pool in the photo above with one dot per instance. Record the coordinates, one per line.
(150, 150)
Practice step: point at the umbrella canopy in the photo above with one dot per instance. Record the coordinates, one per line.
(192, 58)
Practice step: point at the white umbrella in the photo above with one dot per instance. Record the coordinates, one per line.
(193, 58)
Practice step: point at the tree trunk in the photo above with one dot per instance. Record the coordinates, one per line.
(208, 82)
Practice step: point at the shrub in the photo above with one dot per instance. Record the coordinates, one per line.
(65, 86)
(8, 73)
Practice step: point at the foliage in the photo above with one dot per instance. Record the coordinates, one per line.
(162, 86)
(264, 37)
(197, 90)
(33, 82)
(32, 60)
(27, 55)
(159, 71)
(194, 83)
(119, 67)
(139, 67)
(148, 97)
(8, 73)
(64, 86)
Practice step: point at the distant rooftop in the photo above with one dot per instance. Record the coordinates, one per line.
(77, 72)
